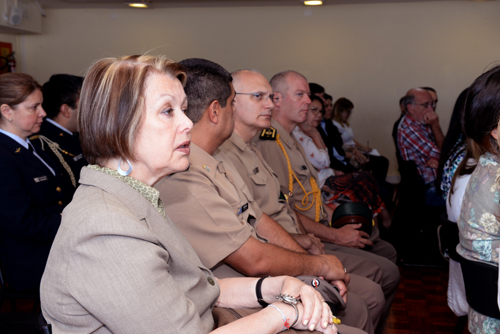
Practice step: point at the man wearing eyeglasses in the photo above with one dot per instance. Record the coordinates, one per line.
(253, 110)
(213, 208)
(420, 139)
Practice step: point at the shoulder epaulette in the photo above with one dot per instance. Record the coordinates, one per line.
(268, 134)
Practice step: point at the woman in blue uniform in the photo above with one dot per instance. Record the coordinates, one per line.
(31, 198)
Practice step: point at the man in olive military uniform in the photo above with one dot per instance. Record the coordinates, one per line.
(287, 159)
(213, 208)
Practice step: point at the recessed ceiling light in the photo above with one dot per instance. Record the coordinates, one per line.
(137, 4)
(313, 3)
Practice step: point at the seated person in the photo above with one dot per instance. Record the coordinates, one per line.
(317, 90)
(459, 174)
(118, 263)
(453, 144)
(351, 187)
(58, 135)
(419, 139)
(32, 196)
(334, 143)
(298, 177)
(454, 177)
(216, 213)
(253, 109)
(377, 164)
(478, 221)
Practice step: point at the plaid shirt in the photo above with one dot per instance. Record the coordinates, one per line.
(416, 143)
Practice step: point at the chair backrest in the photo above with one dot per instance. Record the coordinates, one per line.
(448, 236)
(45, 328)
(481, 286)
(395, 131)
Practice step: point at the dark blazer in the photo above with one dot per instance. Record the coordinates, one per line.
(333, 139)
(72, 154)
(31, 202)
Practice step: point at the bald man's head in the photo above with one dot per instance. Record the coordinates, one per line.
(253, 103)
(418, 103)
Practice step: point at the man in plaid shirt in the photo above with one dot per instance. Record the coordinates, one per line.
(420, 137)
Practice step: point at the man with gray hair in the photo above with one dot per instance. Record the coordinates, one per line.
(214, 210)
(419, 139)
(298, 180)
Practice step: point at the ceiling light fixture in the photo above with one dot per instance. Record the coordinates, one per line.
(313, 3)
(137, 4)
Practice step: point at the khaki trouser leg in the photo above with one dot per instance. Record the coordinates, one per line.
(377, 268)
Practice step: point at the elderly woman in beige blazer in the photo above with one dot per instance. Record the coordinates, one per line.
(118, 264)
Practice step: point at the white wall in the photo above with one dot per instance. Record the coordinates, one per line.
(10, 38)
(371, 54)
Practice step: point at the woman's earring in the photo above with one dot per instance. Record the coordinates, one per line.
(123, 172)
(10, 119)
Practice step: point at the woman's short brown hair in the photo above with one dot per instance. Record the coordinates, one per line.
(15, 88)
(112, 104)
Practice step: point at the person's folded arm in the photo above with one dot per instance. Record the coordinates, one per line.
(276, 235)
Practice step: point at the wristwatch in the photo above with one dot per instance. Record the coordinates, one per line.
(258, 291)
(290, 300)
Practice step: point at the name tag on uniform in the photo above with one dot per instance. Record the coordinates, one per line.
(242, 209)
(78, 157)
(40, 179)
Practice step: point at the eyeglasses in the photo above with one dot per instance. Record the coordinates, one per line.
(426, 104)
(315, 110)
(259, 96)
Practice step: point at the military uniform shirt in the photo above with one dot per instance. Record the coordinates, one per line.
(261, 180)
(211, 205)
(301, 166)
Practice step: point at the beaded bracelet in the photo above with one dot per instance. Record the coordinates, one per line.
(285, 320)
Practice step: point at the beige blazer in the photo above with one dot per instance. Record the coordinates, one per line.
(117, 266)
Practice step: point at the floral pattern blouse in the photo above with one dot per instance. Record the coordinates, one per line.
(479, 227)
(451, 165)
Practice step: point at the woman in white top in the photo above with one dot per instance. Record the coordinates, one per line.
(358, 187)
(377, 164)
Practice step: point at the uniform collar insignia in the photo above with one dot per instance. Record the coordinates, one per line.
(268, 134)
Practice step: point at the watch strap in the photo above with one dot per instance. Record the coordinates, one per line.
(258, 291)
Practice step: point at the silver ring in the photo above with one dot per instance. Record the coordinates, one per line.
(345, 270)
